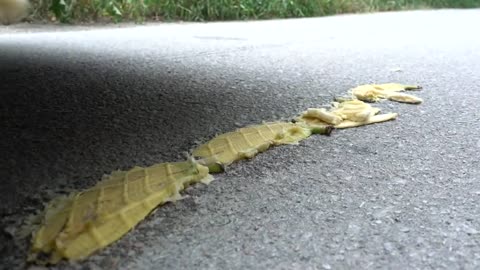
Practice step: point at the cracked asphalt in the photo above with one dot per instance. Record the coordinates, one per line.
(79, 102)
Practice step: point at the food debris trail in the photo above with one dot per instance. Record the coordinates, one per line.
(77, 225)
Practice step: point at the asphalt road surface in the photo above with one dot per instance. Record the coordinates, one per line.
(80, 102)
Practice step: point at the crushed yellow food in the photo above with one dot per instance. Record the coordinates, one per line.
(375, 92)
(247, 142)
(346, 114)
(77, 225)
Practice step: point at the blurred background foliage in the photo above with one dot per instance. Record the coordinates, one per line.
(71, 11)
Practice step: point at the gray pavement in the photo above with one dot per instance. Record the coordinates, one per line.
(81, 102)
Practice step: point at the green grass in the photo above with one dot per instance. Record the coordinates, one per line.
(212, 10)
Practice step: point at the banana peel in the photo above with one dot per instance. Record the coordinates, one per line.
(390, 91)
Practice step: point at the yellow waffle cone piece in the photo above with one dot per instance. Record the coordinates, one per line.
(76, 226)
(375, 92)
(247, 142)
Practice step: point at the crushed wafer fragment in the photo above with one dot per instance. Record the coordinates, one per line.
(371, 120)
(352, 113)
(77, 225)
(375, 92)
(323, 115)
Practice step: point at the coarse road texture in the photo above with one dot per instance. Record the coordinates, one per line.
(78, 102)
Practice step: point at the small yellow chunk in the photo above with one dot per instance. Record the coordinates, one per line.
(405, 98)
(372, 120)
(375, 92)
(349, 113)
(323, 115)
